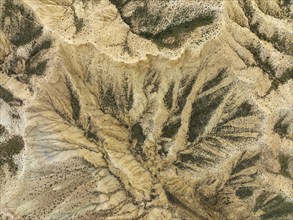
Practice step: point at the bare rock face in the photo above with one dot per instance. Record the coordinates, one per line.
(128, 109)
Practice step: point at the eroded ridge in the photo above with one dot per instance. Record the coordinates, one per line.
(182, 114)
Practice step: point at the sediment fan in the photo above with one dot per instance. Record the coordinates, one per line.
(146, 109)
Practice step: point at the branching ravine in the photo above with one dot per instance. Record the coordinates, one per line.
(146, 110)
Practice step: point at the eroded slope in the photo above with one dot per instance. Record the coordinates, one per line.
(118, 112)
